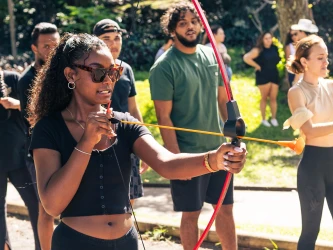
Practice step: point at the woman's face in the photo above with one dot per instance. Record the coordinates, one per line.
(219, 36)
(317, 61)
(294, 35)
(267, 40)
(88, 87)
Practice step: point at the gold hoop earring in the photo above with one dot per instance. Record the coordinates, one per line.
(306, 68)
(71, 85)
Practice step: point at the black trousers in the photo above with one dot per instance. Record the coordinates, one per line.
(66, 238)
(21, 180)
(314, 183)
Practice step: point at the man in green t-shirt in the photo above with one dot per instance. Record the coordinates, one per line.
(187, 90)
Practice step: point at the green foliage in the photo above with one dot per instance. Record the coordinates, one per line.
(322, 11)
(237, 64)
(144, 39)
(158, 234)
(82, 19)
(147, 106)
(282, 63)
(145, 35)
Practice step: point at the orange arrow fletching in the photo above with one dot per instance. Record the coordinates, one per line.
(296, 145)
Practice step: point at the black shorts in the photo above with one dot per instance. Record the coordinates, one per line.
(66, 238)
(189, 196)
(266, 76)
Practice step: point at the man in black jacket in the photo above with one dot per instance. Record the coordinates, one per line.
(12, 157)
(45, 37)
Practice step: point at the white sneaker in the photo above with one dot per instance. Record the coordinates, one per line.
(265, 123)
(274, 122)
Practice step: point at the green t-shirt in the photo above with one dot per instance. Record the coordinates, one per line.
(191, 82)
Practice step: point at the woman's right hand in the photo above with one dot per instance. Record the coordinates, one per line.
(97, 125)
(257, 68)
(229, 157)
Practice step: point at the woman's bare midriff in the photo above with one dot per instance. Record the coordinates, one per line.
(323, 141)
(107, 227)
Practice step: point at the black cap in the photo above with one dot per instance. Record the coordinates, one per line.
(105, 26)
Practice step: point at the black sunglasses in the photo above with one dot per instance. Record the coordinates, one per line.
(98, 74)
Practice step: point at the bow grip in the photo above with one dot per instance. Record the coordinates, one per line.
(235, 125)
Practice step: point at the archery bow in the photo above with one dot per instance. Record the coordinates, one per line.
(234, 127)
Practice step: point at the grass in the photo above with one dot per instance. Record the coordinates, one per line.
(267, 164)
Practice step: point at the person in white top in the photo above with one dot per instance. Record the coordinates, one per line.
(302, 29)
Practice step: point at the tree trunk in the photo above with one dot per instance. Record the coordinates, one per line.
(288, 12)
(12, 29)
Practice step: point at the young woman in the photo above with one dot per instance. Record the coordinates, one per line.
(83, 160)
(219, 37)
(311, 105)
(264, 57)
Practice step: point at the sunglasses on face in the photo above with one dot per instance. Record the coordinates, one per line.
(98, 74)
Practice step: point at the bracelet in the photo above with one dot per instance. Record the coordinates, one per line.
(206, 163)
(81, 151)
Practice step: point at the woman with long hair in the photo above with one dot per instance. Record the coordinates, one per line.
(311, 104)
(264, 57)
(83, 159)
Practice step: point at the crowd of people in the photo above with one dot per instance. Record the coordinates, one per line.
(67, 145)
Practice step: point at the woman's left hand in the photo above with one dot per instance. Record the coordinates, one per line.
(229, 157)
(144, 167)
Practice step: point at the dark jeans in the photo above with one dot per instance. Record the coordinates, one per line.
(21, 180)
(66, 238)
(314, 183)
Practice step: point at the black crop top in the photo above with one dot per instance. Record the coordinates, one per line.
(102, 190)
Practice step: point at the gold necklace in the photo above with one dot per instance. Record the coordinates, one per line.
(75, 119)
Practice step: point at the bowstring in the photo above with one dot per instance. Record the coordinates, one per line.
(128, 198)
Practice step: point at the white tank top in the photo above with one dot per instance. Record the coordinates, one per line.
(292, 49)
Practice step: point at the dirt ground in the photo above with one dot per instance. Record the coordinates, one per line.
(21, 237)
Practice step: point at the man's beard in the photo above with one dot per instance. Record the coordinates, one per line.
(41, 62)
(187, 43)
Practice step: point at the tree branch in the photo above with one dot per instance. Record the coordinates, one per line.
(274, 28)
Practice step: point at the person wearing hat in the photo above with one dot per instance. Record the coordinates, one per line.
(302, 29)
(123, 97)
